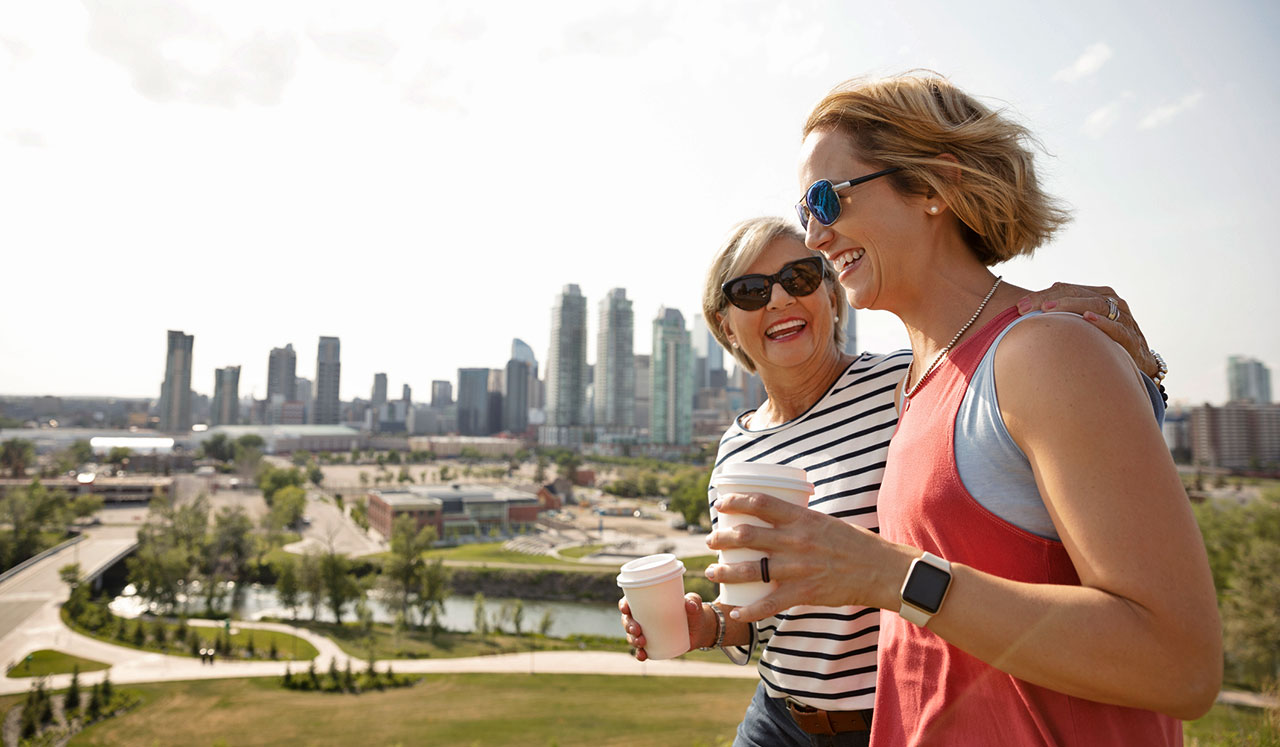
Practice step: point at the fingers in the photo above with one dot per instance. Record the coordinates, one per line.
(766, 507)
(739, 573)
(1133, 343)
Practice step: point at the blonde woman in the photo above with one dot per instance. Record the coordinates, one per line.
(1040, 574)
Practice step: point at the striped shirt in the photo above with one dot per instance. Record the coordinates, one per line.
(826, 656)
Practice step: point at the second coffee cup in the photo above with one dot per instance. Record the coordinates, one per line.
(778, 480)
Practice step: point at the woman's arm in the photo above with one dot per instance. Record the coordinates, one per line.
(1090, 301)
(702, 626)
(1142, 630)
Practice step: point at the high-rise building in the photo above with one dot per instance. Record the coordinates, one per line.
(406, 393)
(282, 374)
(473, 401)
(1248, 380)
(226, 396)
(567, 360)
(671, 377)
(379, 396)
(643, 390)
(515, 400)
(850, 331)
(302, 390)
(328, 379)
(705, 347)
(441, 393)
(520, 351)
(1237, 435)
(615, 372)
(497, 384)
(175, 392)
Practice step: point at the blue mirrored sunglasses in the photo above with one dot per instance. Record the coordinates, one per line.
(822, 201)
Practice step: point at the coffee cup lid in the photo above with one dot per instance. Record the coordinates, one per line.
(764, 469)
(733, 477)
(650, 570)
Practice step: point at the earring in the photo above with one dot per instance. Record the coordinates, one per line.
(933, 209)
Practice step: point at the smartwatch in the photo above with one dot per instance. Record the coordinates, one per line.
(925, 588)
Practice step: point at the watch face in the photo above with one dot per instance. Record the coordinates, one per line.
(926, 587)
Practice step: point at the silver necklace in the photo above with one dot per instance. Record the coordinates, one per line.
(907, 393)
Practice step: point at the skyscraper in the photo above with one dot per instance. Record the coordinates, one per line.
(226, 396)
(473, 401)
(282, 374)
(850, 331)
(515, 400)
(378, 397)
(671, 376)
(1248, 380)
(567, 360)
(520, 351)
(643, 391)
(302, 390)
(175, 392)
(441, 393)
(328, 379)
(615, 372)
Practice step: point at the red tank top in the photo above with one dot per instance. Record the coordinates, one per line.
(928, 691)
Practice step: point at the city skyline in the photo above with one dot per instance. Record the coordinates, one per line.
(276, 172)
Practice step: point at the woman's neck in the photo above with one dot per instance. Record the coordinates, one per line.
(792, 391)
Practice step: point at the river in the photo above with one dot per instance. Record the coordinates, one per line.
(256, 601)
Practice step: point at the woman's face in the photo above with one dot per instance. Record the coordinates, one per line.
(871, 243)
(788, 331)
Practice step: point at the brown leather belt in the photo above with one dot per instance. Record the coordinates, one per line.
(815, 721)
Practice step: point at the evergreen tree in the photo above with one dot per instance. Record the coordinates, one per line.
(288, 677)
(107, 691)
(95, 703)
(71, 703)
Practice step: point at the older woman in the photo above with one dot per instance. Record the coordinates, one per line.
(775, 305)
(1041, 576)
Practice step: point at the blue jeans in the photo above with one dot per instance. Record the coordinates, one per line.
(768, 723)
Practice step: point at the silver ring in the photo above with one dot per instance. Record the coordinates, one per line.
(764, 570)
(1113, 311)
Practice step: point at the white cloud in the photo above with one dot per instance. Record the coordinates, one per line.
(1090, 62)
(1101, 119)
(1163, 114)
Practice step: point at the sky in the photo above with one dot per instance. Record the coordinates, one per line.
(421, 179)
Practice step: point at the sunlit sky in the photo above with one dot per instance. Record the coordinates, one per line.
(421, 179)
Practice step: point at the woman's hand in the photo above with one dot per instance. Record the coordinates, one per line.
(816, 559)
(1090, 301)
(699, 633)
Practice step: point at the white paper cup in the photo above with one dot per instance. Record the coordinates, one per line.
(778, 480)
(654, 588)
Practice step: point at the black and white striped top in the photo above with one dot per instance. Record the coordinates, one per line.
(826, 656)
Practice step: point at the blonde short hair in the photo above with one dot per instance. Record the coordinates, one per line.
(908, 121)
(744, 244)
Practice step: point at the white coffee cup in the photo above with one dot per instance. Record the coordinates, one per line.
(778, 480)
(654, 588)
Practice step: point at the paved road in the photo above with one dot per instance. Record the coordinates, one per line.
(24, 595)
(331, 528)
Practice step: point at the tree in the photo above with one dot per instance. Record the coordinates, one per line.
(119, 456)
(300, 458)
(271, 480)
(288, 588)
(689, 496)
(480, 622)
(403, 572)
(364, 479)
(315, 475)
(231, 544)
(311, 582)
(339, 588)
(434, 590)
(404, 475)
(71, 703)
(16, 455)
(81, 452)
(30, 511)
(540, 474)
(287, 508)
(218, 447)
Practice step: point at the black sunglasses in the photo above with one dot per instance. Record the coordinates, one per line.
(822, 202)
(799, 278)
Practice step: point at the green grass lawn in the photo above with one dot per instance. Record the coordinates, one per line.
(1232, 725)
(492, 552)
(500, 709)
(580, 551)
(47, 661)
(287, 646)
(419, 644)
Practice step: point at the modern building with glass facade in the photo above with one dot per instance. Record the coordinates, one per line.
(671, 380)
